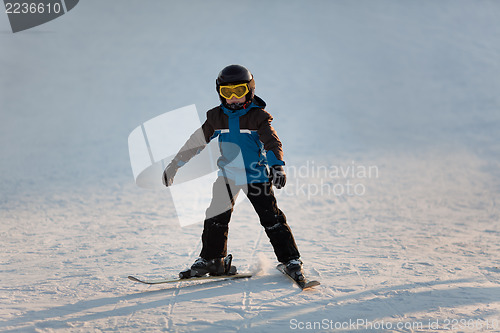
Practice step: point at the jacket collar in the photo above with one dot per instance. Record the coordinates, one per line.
(256, 103)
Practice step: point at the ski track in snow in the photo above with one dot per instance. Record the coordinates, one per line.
(409, 88)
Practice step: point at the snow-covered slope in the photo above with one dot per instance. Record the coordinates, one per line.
(396, 102)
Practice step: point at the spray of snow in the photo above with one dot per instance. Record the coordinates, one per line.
(263, 266)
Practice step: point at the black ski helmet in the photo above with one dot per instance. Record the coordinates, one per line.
(236, 74)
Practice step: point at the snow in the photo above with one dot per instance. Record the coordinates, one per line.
(409, 88)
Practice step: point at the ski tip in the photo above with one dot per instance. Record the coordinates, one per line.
(133, 278)
(311, 284)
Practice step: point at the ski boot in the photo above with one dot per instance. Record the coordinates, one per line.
(202, 267)
(294, 269)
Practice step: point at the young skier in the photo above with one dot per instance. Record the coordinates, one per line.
(251, 160)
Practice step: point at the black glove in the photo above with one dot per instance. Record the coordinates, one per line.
(278, 176)
(169, 173)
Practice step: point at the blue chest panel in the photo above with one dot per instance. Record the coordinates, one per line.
(243, 157)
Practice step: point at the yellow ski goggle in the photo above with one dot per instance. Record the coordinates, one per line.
(237, 90)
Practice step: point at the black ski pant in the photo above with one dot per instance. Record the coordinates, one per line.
(218, 215)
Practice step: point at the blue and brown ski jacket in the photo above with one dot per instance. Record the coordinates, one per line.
(248, 143)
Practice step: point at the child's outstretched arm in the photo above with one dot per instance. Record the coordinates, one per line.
(193, 146)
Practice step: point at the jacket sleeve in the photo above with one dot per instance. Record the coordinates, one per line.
(271, 141)
(195, 144)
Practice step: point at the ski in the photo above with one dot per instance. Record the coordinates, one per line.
(208, 277)
(303, 284)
